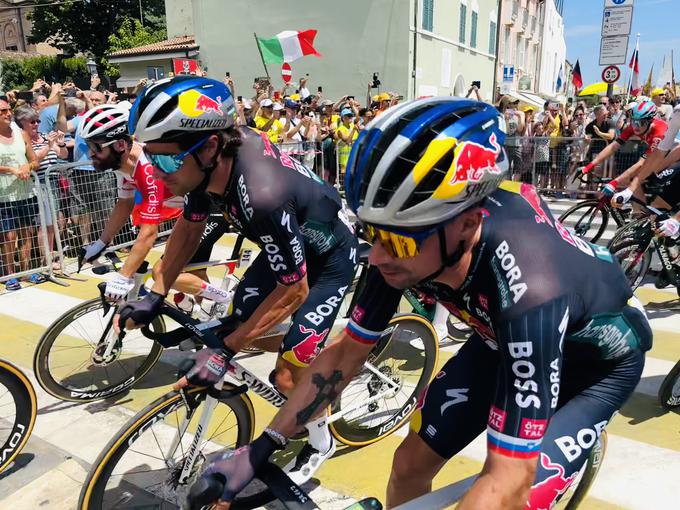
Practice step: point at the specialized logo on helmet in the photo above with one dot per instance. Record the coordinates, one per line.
(472, 160)
(193, 103)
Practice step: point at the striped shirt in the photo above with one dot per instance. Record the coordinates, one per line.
(50, 159)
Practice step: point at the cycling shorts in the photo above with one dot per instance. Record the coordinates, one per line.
(328, 275)
(669, 180)
(455, 408)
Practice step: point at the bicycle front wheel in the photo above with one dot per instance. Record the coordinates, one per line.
(384, 395)
(669, 391)
(71, 361)
(586, 219)
(141, 466)
(18, 409)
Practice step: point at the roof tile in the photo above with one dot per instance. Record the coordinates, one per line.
(184, 42)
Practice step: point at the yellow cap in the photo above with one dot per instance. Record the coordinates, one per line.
(384, 97)
(658, 92)
(376, 98)
(528, 109)
(295, 97)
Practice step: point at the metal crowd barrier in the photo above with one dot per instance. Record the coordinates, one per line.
(24, 249)
(549, 163)
(81, 202)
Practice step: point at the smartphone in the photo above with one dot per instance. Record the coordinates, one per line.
(240, 99)
(477, 84)
(376, 81)
(25, 95)
(277, 95)
(227, 74)
(319, 88)
(123, 96)
(400, 97)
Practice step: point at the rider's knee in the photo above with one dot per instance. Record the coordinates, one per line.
(282, 379)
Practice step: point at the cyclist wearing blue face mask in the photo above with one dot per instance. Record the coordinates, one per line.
(308, 252)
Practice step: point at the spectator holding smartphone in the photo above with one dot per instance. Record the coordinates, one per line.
(345, 135)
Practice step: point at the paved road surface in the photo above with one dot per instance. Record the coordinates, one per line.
(640, 470)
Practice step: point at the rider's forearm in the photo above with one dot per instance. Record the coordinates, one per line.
(627, 176)
(608, 151)
(321, 383)
(143, 244)
(490, 493)
(181, 246)
(120, 214)
(282, 302)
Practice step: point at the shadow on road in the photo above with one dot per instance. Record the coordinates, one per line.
(22, 460)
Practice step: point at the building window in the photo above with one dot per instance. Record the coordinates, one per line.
(428, 14)
(507, 49)
(492, 37)
(155, 72)
(473, 29)
(461, 28)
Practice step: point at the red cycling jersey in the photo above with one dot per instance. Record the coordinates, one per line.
(653, 137)
(158, 203)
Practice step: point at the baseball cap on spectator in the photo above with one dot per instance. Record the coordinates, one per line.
(658, 92)
(290, 103)
(278, 106)
(266, 103)
(528, 109)
(326, 102)
(384, 97)
(346, 112)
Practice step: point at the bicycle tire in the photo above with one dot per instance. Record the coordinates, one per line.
(591, 206)
(25, 402)
(593, 465)
(94, 488)
(350, 431)
(666, 397)
(642, 260)
(51, 383)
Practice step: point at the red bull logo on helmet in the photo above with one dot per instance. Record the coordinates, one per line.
(193, 103)
(306, 350)
(472, 160)
(544, 494)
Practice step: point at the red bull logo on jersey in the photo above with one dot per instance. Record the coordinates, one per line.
(528, 193)
(193, 103)
(544, 494)
(472, 160)
(306, 350)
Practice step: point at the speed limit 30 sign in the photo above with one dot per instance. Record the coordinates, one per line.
(611, 74)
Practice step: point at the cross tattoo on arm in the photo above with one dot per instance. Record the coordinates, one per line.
(326, 394)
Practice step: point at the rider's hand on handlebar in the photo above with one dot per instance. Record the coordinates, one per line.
(609, 189)
(621, 198)
(90, 252)
(118, 288)
(238, 467)
(586, 169)
(669, 228)
(139, 313)
(205, 368)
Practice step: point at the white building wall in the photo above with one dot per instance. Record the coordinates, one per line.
(553, 51)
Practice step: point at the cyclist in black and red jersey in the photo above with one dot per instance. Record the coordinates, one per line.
(559, 340)
(652, 131)
(308, 249)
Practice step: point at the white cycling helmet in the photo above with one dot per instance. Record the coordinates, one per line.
(424, 162)
(105, 122)
(174, 107)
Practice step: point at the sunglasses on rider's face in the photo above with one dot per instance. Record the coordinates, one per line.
(640, 123)
(399, 246)
(96, 147)
(170, 163)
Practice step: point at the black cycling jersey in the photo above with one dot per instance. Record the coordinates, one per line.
(535, 294)
(278, 203)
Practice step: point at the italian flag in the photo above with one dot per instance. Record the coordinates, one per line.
(288, 46)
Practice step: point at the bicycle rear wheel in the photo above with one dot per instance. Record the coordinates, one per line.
(69, 361)
(586, 220)
(18, 409)
(140, 467)
(406, 356)
(634, 257)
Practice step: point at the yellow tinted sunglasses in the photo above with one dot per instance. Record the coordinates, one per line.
(398, 246)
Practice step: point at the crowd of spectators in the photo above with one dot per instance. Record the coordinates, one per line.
(546, 146)
(39, 128)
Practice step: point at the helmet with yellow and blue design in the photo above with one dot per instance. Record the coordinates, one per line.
(424, 162)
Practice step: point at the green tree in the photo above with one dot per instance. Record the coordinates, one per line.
(85, 27)
(11, 74)
(130, 35)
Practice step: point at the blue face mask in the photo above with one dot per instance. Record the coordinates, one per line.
(170, 163)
